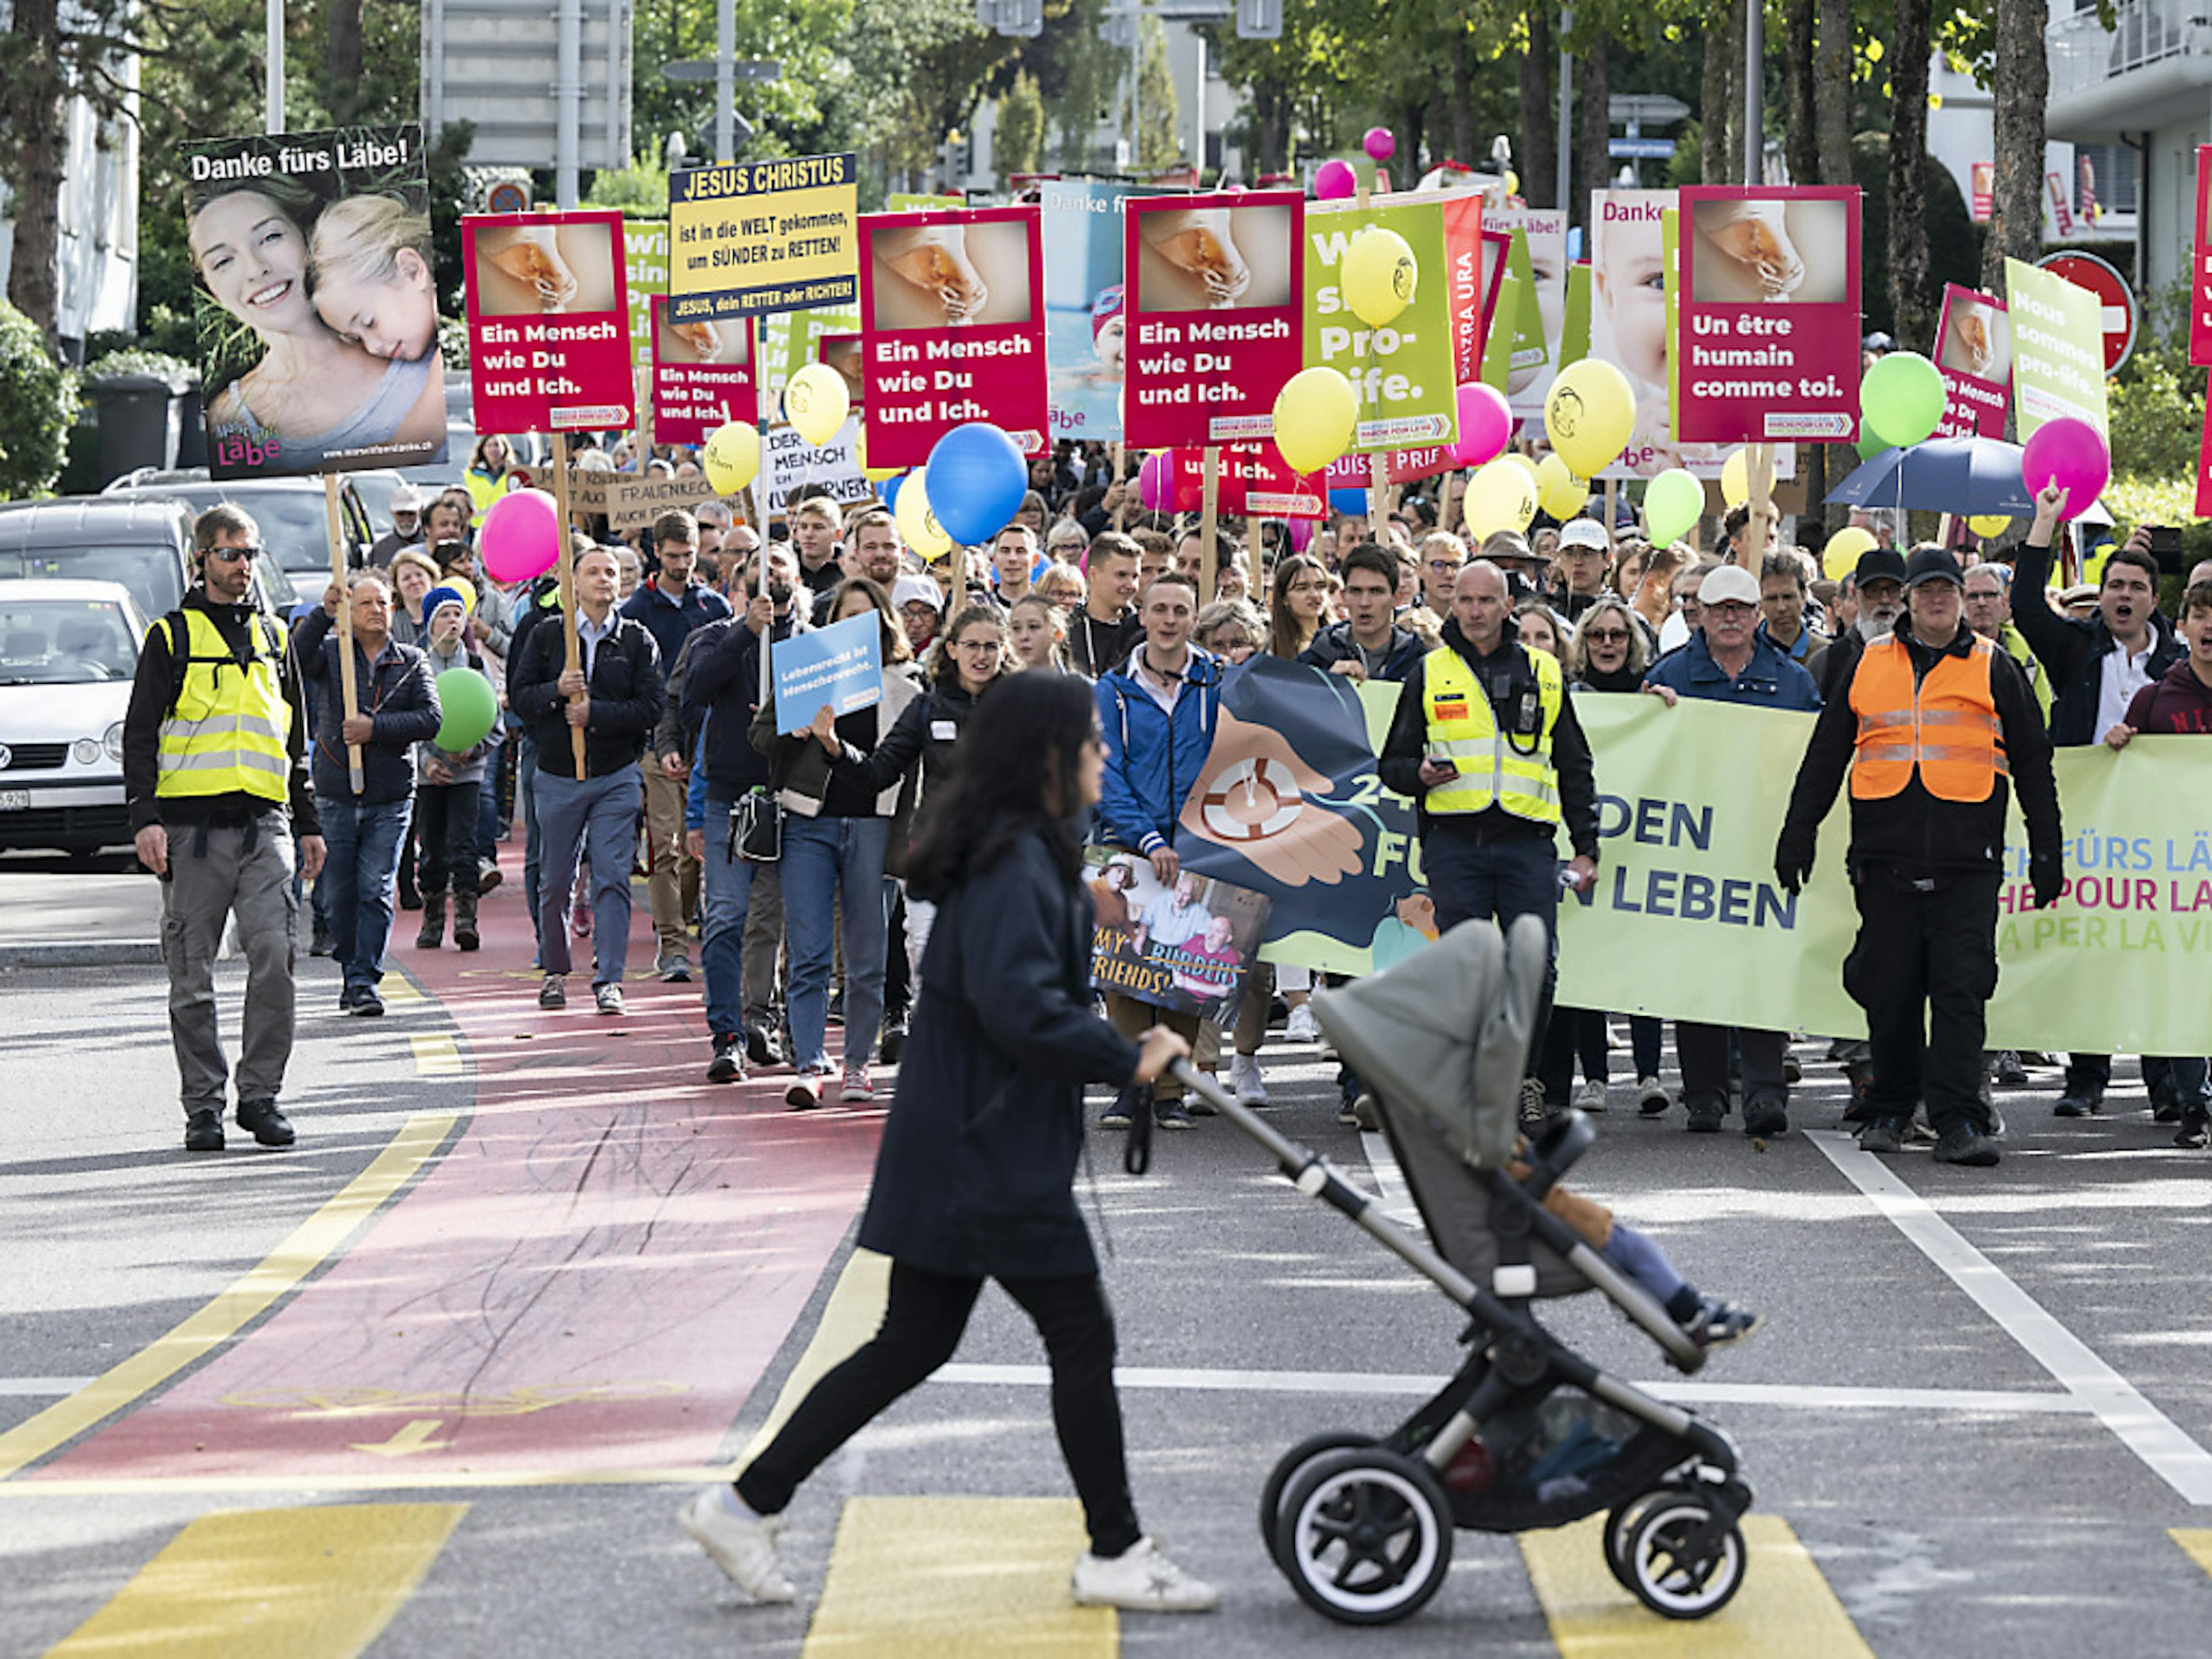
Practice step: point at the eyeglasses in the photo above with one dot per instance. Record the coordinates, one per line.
(1731, 610)
(1442, 565)
(1606, 635)
(235, 555)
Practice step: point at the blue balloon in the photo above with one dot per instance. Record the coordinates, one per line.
(976, 478)
(1352, 503)
(888, 490)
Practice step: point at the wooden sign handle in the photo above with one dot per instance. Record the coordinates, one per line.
(350, 700)
(1209, 499)
(568, 569)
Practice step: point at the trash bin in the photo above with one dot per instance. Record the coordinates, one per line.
(141, 422)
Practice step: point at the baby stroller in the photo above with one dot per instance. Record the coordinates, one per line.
(1527, 1434)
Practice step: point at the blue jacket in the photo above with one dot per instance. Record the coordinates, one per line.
(1769, 680)
(671, 622)
(1152, 761)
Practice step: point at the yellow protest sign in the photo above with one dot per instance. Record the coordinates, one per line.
(764, 236)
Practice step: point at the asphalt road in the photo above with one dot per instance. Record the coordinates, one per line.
(1975, 1417)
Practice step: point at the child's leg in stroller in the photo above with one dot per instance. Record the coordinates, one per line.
(1710, 1321)
(1072, 1316)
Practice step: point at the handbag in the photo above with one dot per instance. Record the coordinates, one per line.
(757, 828)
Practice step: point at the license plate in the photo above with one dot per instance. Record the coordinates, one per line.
(15, 800)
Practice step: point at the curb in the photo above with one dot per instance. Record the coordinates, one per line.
(81, 953)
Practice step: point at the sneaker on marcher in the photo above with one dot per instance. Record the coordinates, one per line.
(1652, 1099)
(1590, 1098)
(728, 1065)
(804, 1093)
(1302, 1026)
(674, 968)
(742, 1545)
(608, 998)
(1717, 1323)
(553, 992)
(859, 1089)
(2005, 1071)
(1140, 1580)
(1534, 1111)
(1244, 1077)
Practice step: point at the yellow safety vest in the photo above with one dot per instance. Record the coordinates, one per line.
(226, 734)
(1492, 771)
(483, 491)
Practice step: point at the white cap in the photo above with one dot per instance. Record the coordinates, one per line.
(910, 588)
(1728, 582)
(1584, 533)
(406, 499)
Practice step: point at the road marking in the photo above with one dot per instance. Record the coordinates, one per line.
(2198, 1542)
(310, 1243)
(407, 1440)
(319, 1583)
(1785, 1604)
(436, 1056)
(850, 1318)
(1812, 1396)
(399, 991)
(34, 1387)
(2140, 1426)
(932, 1578)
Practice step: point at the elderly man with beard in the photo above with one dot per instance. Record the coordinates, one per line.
(1878, 584)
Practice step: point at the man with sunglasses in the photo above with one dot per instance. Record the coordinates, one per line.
(215, 770)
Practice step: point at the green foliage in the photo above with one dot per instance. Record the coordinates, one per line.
(40, 398)
(1954, 241)
(639, 189)
(1019, 146)
(160, 365)
(2157, 417)
(1159, 142)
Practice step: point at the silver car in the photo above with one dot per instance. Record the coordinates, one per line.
(68, 653)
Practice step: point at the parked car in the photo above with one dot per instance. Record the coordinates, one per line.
(293, 516)
(68, 650)
(143, 542)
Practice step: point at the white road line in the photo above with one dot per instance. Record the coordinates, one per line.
(2141, 1427)
(40, 1388)
(1811, 1396)
(1389, 1183)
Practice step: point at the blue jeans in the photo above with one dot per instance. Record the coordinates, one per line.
(829, 863)
(608, 807)
(1500, 880)
(363, 844)
(525, 795)
(487, 828)
(725, 892)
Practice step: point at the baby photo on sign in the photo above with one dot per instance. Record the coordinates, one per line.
(1187, 947)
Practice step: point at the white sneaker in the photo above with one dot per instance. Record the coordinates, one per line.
(1140, 1580)
(1244, 1077)
(1590, 1098)
(1302, 1026)
(742, 1545)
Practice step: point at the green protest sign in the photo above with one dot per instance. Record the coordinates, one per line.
(1527, 316)
(1402, 372)
(2058, 349)
(1575, 333)
(1497, 349)
(789, 340)
(644, 270)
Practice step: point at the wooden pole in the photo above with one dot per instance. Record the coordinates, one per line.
(1121, 503)
(350, 691)
(568, 568)
(1759, 463)
(1612, 506)
(1209, 497)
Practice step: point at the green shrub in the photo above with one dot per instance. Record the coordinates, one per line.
(133, 360)
(40, 399)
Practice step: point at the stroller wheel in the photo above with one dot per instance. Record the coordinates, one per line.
(1287, 1469)
(1683, 1556)
(1365, 1536)
(1620, 1527)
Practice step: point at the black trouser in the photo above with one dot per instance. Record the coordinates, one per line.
(898, 974)
(1924, 967)
(1500, 881)
(446, 824)
(1580, 1033)
(1704, 1052)
(2166, 1077)
(922, 1326)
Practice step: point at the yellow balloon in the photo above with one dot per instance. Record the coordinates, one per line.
(465, 588)
(1841, 555)
(1735, 478)
(1315, 413)
(1512, 182)
(1558, 491)
(1499, 496)
(873, 474)
(1589, 414)
(1527, 464)
(1379, 276)
(732, 457)
(917, 525)
(816, 402)
(1988, 523)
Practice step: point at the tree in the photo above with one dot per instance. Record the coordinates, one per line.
(1158, 145)
(2020, 83)
(1909, 299)
(1832, 92)
(1019, 145)
(341, 56)
(38, 70)
(1594, 125)
(1719, 119)
(1537, 151)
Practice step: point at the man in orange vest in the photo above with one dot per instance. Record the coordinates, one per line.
(1937, 719)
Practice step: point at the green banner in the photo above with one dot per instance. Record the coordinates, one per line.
(645, 270)
(1575, 333)
(2058, 350)
(1401, 372)
(789, 340)
(1497, 349)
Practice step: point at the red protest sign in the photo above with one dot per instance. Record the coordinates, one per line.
(702, 375)
(2204, 466)
(1973, 353)
(1398, 466)
(1475, 265)
(951, 329)
(1769, 340)
(1253, 479)
(549, 321)
(1216, 326)
(2200, 275)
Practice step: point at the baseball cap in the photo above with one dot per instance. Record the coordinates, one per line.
(406, 499)
(1584, 533)
(1934, 564)
(1879, 564)
(1728, 583)
(910, 587)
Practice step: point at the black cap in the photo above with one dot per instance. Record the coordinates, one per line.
(1879, 564)
(1934, 564)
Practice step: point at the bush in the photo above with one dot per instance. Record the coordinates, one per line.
(132, 360)
(40, 399)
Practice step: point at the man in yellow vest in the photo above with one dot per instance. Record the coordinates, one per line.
(214, 753)
(1485, 743)
(1936, 721)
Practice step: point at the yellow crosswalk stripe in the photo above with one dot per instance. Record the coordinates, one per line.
(436, 1056)
(1785, 1606)
(850, 1318)
(979, 1577)
(398, 990)
(2197, 1542)
(305, 1584)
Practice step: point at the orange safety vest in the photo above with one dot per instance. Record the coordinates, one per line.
(1946, 726)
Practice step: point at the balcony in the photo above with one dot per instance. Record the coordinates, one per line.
(2150, 71)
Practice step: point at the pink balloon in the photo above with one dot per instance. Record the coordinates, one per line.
(2070, 454)
(1301, 533)
(520, 538)
(1380, 145)
(1335, 181)
(1485, 425)
(1156, 481)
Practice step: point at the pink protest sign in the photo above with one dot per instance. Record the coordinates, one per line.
(1769, 342)
(702, 375)
(548, 322)
(2199, 270)
(951, 329)
(1973, 351)
(1215, 304)
(1253, 479)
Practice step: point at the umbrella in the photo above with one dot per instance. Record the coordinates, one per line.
(1968, 477)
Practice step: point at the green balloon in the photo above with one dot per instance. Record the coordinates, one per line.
(1902, 398)
(1871, 443)
(1672, 503)
(472, 708)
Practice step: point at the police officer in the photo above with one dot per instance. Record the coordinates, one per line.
(1935, 720)
(1485, 742)
(214, 751)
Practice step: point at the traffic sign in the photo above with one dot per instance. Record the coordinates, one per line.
(2120, 314)
(706, 69)
(508, 196)
(1641, 150)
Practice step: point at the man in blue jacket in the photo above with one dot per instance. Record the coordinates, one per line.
(1369, 646)
(1727, 661)
(1156, 711)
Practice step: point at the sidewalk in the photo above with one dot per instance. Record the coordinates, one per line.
(54, 917)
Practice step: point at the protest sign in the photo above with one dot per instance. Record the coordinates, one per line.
(296, 238)
(1973, 351)
(1252, 478)
(1398, 466)
(1189, 947)
(2058, 349)
(633, 503)
(1632, 322)
(702, 376)
(1086, 325)
(645, 275)
(1473, 261)
(1401, 373)
(764, 236)
(791, 463)
(549, 321)
(844, 353)
(839, 668)
(785, 342)
(2200, 270)
(1768, 313)
(1537, 260)
(1215, 314)
(951, 329)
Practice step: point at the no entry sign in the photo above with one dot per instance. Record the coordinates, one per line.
(2118, 300)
